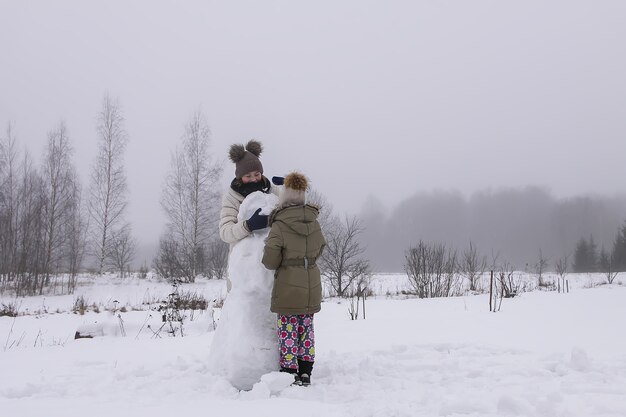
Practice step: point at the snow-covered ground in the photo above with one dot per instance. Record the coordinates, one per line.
(543, 354)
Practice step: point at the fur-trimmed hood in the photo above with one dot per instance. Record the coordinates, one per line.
(302, 219)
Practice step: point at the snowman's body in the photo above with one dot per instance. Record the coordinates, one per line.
(245, 345)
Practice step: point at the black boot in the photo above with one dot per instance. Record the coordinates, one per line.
(305, 368)
(296, 377)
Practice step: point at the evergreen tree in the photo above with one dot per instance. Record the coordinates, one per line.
(581, 254)
(619, 250)
(585, 256)
(592, 262)
(604, 262)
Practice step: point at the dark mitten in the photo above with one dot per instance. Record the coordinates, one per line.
(278, 180)
(257, 221)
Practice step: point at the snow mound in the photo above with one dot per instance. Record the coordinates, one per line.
(270, 384)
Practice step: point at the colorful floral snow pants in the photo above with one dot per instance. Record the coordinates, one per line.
(296, 339)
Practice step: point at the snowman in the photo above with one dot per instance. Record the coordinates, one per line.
(245, 345)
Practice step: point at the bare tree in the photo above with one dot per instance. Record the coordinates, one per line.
(76, 232)
(190, 198)
(107, 191)
(473, 266)
(122, 250)
(561, 270)
(342, 264)
(432, 270)
(21, 219)
(540, 268)
(357, 294)
(9, 207)
(609, 266)
(326, 218)
(58, 176)
(30, 229)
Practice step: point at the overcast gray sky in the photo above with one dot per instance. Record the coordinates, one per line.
(382, 98)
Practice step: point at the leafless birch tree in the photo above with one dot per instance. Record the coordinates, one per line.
(31, 230)
(540, 269)
(58, 176)
(191, 201)
(107, 191)
(561, 269)
(21, 220)
(9, 213)
(76, 231)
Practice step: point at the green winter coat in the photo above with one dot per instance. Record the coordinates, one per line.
(294, 244)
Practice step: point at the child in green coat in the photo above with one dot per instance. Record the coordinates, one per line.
(294, 245)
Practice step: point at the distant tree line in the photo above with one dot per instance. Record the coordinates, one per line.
(437, 270)
(513, 223)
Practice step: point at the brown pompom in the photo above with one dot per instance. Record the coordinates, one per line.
(296, 181)
(236, 153)
(254, 147)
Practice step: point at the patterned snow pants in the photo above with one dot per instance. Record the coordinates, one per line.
(296, 339)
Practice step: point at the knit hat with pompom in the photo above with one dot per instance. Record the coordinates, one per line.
(293, 192)
(246, 158)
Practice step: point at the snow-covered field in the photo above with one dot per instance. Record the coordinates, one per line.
(543, 354)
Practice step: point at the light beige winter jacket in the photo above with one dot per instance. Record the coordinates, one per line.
(231, 230)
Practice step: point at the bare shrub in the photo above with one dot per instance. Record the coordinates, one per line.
(217, 259)
(431, 269)
(357, 295)
(561, 270)
(472, 266)
(510, 284)
(170, 263)
(610, 271)
(81, 305)
(171, 313)
(143, 271)
(192, 300)
(9, 310)
(219, 302)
